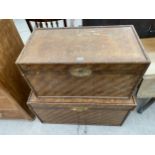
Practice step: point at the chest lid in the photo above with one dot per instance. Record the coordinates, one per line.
(112, 44)
(89, 102)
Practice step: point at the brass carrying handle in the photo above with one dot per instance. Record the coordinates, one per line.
(79, 109)
(80, 72)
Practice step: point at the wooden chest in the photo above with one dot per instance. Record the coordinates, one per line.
(77, 110)
(13, 89)
(88, 61)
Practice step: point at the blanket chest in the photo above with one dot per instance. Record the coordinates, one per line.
(87, 61)
(77, 110)
(14, 91)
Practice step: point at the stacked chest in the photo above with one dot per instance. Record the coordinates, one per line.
(81, 110)
(91, 63)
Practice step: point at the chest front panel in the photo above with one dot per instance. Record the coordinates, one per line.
(83, 80)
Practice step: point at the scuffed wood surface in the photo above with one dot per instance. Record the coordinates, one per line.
(113, 55)
(83, 45)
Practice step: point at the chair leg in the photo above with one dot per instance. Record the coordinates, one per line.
(145, 105)
(65, 22)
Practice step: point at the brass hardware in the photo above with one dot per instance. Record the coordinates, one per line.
(80, 72)
(79, 109)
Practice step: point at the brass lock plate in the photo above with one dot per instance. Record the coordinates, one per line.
(80, 72)
(79, 109)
